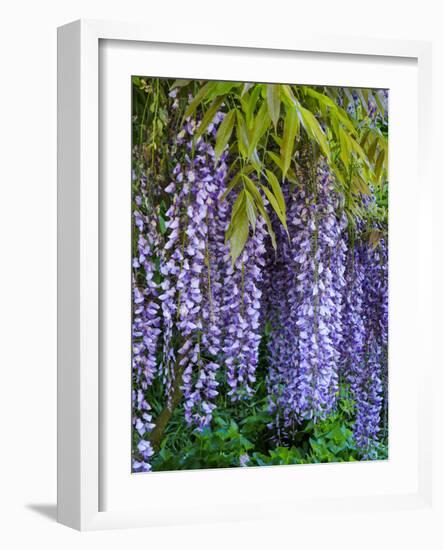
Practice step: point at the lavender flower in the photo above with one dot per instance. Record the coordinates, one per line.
(307, 328)
(242, 314)
(192, 282)
(145, 330)
(368, 376)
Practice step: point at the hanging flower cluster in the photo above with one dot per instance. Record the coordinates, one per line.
(365, 355)
(306, 322)
(327, 307)
(187, 292)
(145, 328)
(212, 305)
(241, 315)
(354, 329)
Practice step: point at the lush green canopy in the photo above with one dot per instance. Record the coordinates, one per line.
(266, 127)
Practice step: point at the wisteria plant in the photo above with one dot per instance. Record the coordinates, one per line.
(260, 274)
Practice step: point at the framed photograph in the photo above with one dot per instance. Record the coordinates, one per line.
(241, 262)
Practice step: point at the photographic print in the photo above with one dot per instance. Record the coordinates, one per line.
(259, 274)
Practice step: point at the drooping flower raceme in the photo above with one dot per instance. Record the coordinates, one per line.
(241, 317)
(183, 284)
(145, 330)
(211, 305)
(354, 328)
(307, 332)
(368, 356)
(327, 308)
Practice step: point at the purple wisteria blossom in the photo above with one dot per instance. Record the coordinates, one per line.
(192, 285)
(367, 358)
(307, 320)
(354, 328)
(241, 314)
(212, 305)
(145, 329)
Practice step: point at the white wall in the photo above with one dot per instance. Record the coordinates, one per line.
(28, 268)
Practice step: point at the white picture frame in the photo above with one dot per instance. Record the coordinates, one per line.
(81, 413)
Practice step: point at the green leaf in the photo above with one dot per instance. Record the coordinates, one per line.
(252, 188)
(235, 180)
(246, 88)
(275, 206)
(245, 443)
(250, 105)
(225, 87)
(200, 96)
(365, 94)
(276, 159)
(339, 174)
(238, 205)
(362, 99)
(209, 116)
(231, 186)
(345, 119)
(260, 207)
(274, 101)
(240, 227)
(179, 83)
(379, 103)
(251, 210)
(364, 138)
(290, 175)
(321, 98)
(379, 165)
(275, 185)
(313, 129)
(371, 150)
(242, 135)
(256, 162)
(222, 88)
(136, 81)
(278, 140)
(290, 131)
(344, 147)
(361, 185)
(261, 124)
(288, 96)
(162, 224)
(357, 150)
(224, 133)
